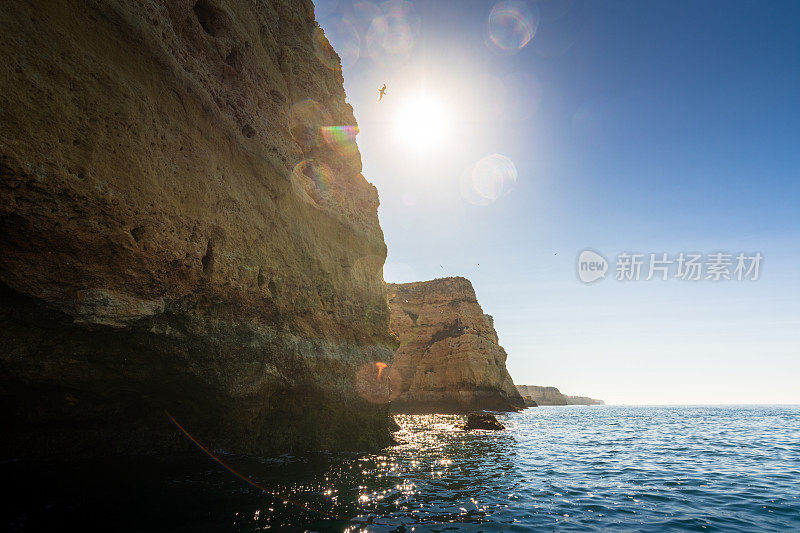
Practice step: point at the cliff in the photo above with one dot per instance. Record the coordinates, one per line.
(535, 394)
(184, 227)
(583, 400)
(449, 359)
(542, 395)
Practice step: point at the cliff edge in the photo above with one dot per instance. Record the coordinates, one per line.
(449, 359)
(184, 228)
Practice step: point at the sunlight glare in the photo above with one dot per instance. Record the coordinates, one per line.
(422, 122)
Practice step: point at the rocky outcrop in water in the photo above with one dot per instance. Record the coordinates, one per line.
(538, 395)
(482, 421)
(184, 228)
(449, 359)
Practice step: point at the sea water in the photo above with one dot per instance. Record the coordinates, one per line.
(573, 468)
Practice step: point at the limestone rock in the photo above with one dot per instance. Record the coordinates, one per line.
(483, 421)
(542, 395)
(583, 400)
(449, 359)
(538, 395)
(184, 228)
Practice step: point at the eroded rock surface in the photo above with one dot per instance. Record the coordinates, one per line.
(184, 227)
(449, 359)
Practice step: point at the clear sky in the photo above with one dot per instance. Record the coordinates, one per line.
(514, 136)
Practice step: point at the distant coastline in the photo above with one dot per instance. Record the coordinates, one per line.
(535, 395)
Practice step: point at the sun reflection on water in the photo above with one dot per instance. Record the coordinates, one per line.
(577, 467)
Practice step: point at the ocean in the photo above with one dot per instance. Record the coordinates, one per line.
(574, 468)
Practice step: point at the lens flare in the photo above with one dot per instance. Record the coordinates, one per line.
(306, 118)
(324, 51)
(393, 33)
(311, 180)
(493, 175)
(363, 15)
(324, 8)
(512, 24)
(487, 180)
(341, 138)
(401, 30)
(339, 36)
(378, 382)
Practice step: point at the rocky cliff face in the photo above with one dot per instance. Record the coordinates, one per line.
(552, 396)
(449, 359)
(583, 400)
(184, 227)
(542, 395)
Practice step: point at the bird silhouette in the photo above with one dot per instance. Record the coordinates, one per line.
(381, 92)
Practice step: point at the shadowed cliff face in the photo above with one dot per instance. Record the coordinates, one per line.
(449, 359)
(183, 226)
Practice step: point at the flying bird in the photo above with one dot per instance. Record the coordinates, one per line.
(381, 92)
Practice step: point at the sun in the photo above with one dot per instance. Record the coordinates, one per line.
(422, 122)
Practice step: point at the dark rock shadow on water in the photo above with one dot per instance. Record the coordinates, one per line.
(177, 494)
(577, 469)
(316, 492)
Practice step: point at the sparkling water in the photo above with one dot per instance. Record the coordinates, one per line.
(573, 468)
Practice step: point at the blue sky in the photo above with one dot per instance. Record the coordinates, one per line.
(659, 127)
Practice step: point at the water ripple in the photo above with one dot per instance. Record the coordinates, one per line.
(575, 468)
